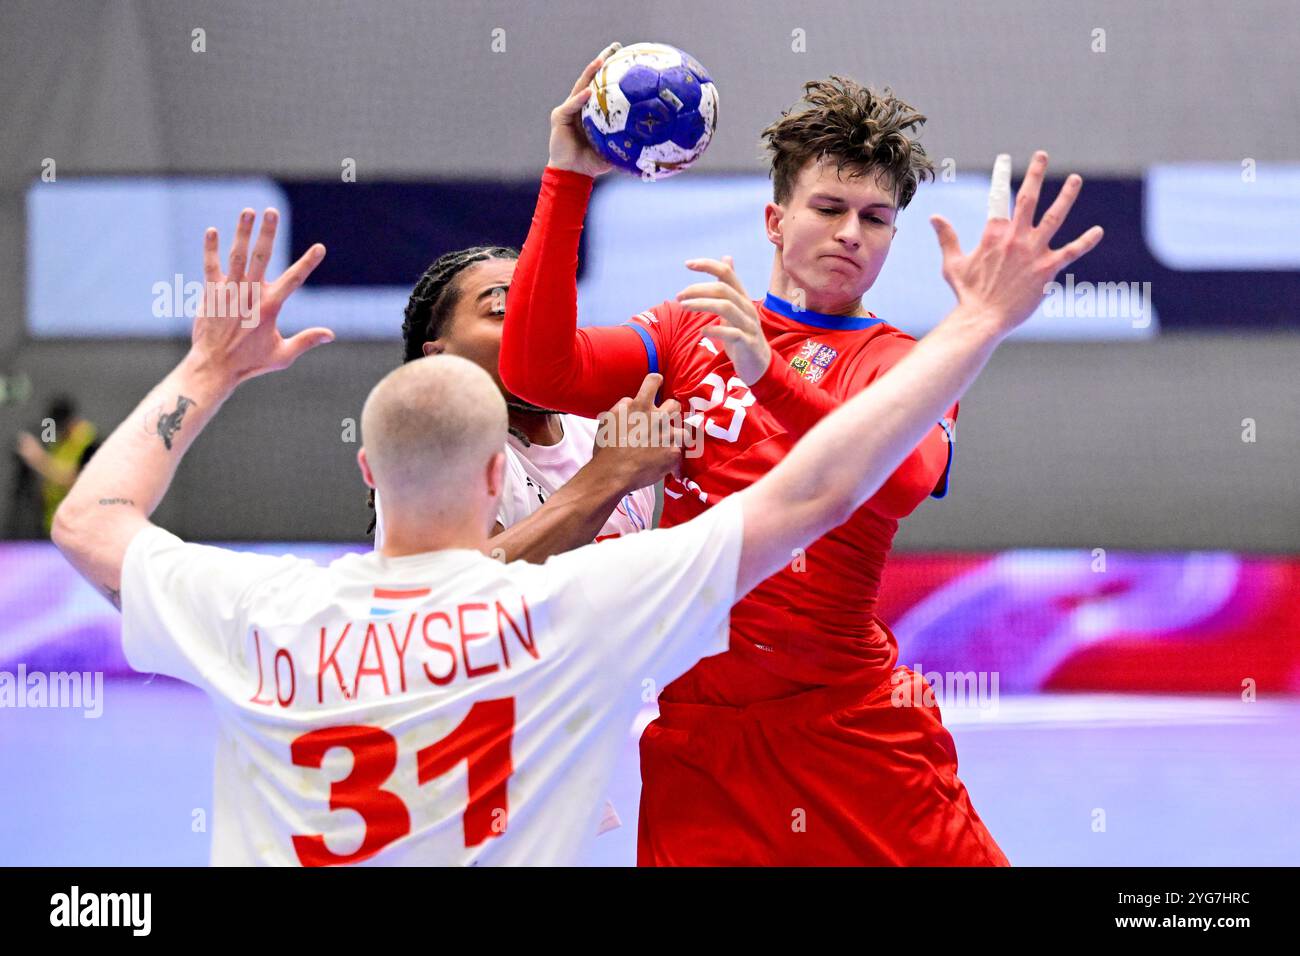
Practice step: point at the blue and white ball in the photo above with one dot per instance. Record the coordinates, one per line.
(652, 110)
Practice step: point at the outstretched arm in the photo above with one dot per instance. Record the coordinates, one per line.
(571, 518)
(846, 457)
(234, 339)
(545, 358)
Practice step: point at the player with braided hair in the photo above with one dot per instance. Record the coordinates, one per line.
(561, 490)
(433, 302)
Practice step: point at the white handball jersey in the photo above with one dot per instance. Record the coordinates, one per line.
(535, 472)
(434, 709)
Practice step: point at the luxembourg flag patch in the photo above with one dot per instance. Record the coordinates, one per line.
(390, 600)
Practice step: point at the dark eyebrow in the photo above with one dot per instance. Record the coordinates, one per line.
(827, 197)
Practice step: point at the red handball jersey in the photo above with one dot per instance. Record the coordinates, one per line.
(812, 624)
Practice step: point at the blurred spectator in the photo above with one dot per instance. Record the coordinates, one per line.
(56, 463)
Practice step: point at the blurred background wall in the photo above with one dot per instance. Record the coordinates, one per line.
(1098, 443)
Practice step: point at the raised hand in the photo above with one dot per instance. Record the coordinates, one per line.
(235, 332)
(1005, 275)
(742, 332)
(570, 148)
(642, 440)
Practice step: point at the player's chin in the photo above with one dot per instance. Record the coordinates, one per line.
(854, 280)
(840, 279)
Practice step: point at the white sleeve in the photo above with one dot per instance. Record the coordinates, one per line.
(651, 604)
(184, 606)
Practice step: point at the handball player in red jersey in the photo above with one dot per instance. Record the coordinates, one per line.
(805, 743)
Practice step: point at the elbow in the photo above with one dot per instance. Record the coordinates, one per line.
(519, 381)
(840, 510)
(513, 375)
(814, 503)
(64, 529)
(512, 366)
(832, 507)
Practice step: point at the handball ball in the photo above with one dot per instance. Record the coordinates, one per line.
(652, 110)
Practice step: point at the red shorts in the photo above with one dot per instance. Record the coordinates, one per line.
(837, 776)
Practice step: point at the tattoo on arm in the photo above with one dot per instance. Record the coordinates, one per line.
(169, 423)
(116, 501)
(114, 595)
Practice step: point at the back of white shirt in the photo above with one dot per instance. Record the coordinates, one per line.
(450, 708)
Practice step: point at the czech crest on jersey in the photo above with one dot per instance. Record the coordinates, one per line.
(813, 360)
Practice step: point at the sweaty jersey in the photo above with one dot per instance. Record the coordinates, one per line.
(434, 709)
(813, 623)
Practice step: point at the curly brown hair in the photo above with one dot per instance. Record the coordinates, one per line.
(859, 128)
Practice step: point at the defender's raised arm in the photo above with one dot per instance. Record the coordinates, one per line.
(846, 457)
(234, 339)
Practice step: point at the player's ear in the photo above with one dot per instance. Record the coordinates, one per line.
(496, 474)
(436, 347)
(773, 216)
(366, 475)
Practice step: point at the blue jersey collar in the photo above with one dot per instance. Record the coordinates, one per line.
(839, 323)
